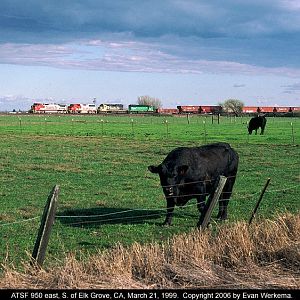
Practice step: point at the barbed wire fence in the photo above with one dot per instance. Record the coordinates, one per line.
(50, 215)
(159, 209)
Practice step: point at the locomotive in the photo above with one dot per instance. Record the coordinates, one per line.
(111, 108)
(47, 108)
(79, 108)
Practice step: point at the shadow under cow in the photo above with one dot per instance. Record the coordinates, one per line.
(95, 217)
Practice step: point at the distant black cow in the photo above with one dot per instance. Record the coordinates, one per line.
(194, 172)
(255, 123)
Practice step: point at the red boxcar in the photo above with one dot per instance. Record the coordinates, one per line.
(191, 109)
(210, 109)
(167, 111)
(266, 109)
(251, 109)
(199, 109)
(285, 109)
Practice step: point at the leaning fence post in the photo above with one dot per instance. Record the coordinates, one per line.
(47, 221)
(204, 223)
(259, 200)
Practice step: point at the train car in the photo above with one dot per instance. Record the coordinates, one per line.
(266, 109)
(78, 108)
(167, 111)
(251, 109)
(258, 110)
(285, 109)
(111, 108)
(48, 108)
(295, 109)
(135, 108)
(199, 109)
(210, 109)
(188, 109)
(278, 109)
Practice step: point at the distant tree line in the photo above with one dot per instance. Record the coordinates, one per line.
(151, 101)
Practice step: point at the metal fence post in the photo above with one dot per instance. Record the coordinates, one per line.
(259, 200)
(40, 247)
(203, 222)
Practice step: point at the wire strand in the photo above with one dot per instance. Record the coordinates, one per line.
(18, 222)
(142, 209)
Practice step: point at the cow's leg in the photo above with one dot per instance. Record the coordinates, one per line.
(224, 199)
(255, 131)
(170, 211)
(223, 202)
(262, 130)
(201, 202)
(202, 208)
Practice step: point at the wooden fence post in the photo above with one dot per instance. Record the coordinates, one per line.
(203, 222)
(259, 200)
(40, 247)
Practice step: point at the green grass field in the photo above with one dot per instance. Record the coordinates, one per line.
(108, 196)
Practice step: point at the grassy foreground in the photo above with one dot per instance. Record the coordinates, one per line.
(265, 255)
(107, 196)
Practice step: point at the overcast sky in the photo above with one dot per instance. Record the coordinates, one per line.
(181, 51)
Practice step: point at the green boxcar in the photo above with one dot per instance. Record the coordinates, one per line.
(134, 108)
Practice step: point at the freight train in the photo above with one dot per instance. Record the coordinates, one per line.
(78, 108)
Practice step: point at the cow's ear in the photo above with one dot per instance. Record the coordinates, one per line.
(154, 169)
(182, 169)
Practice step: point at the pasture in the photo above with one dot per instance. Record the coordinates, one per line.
(107, 195)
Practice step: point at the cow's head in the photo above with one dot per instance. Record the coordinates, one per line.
(171, 179)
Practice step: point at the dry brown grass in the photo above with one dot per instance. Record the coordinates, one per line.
(264, 255)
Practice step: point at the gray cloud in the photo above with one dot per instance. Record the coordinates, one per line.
(239, 85)
(291, 88)
(206, 19)
(124, 56)
(259, 33)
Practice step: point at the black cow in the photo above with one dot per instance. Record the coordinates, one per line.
(255, 123)
(194, 172)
